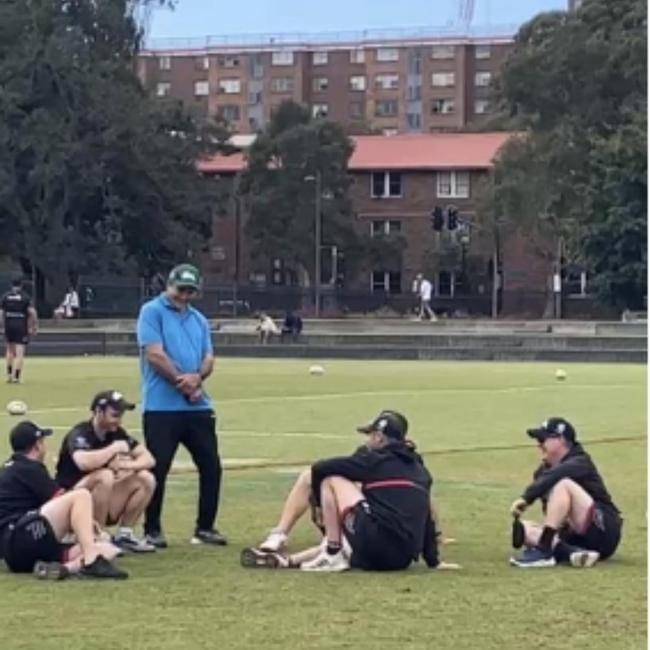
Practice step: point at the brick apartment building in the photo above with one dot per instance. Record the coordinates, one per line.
(394, 82)
(398, 181)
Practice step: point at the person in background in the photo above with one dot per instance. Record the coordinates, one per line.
(292, 326)
(425, 289)
(267, 328)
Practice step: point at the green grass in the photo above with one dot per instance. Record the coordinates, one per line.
(273, 412)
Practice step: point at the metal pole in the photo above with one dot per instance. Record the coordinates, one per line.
(235, 291)
(495, 280)
(317, 245)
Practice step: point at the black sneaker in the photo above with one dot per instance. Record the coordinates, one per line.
(156, 539)
(213, 537)
(51, 571)
(254, 558)
(102, 568)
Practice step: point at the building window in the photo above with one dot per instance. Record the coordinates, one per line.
(356, 109)
(482, 52)
(229, 61)
(482, 78)
(453, 185)
(385, 227)
(442, 106)
(282, 57)
(414, 120)
(202, 63)
(443, 79)
(386, 54)
(387, 81)
(163, 89)
(481, 106)
(230, 86)
(357, 56)
(319, 84)
(282, 84)
(357, 82)
(386, 185)
(319, 110)
(230, 112)
(201, 88)
(319, 58)
(386, 108)
(414, 93)
(443, 52)
(386, 282)
(445, 283)
(255, 97)
(165, 62)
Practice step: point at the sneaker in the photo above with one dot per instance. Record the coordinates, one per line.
(518, 534)
(51, 571)
(275, 541)
(213, 537)
(327, 563)
(101, 568)
(256, 558)
(127, 541)
(157, 540)
(533, 558)
(584, 559)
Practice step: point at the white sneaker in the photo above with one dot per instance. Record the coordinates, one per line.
(126, 540)
(275, 541)
(326, 563)
(584, 559)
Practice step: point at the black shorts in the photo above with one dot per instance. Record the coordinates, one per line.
(374, 547)
(602, 535)
(29, 540)
(16, 334)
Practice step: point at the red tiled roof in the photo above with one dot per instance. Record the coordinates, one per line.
(402, 152)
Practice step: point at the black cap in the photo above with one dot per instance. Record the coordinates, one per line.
(112, 398)
(26, 434)
(554, 428)
(391, 423)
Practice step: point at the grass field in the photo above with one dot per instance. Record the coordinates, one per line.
(468, 417)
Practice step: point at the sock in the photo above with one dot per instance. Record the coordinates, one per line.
(562, 551)
(124, 531)
(545, 543)
(17, 374)
(9, 369)
(333, 547)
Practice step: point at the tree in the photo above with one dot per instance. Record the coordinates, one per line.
(280, 190)
(575, 86)
(94, 175)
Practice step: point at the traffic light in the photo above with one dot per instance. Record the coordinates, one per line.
(437, 219)
(452, 218)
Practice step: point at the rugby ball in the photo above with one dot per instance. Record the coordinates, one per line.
(316, 370)
(16, 407)
(560, 374)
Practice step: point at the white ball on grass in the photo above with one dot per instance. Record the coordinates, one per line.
(316, 370)
(16, 407)
(560, 374)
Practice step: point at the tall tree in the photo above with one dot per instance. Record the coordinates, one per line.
(94, 175)
(576, 87)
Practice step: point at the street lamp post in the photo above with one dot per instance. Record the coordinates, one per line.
(318, 181)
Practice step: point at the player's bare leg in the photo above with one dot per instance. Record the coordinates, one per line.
(100, 485)
(17, 364)
(10, 353)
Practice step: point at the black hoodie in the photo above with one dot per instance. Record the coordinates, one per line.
(397, 487)
(577, 466)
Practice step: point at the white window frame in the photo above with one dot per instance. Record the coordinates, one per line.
(230, 61)
(204, 63)
(443, 51)
(482, 51)
(320, 84)
(387, 54)
(358, 82)
(452, 284)
(388, 81)
(387, 275)
(163, 89)
(320, 110)
(482, 79)
(393, 101)
(222, 111)
(282, 57)
(165, 62)
(386, 230)
(442, 111)
(357, 55)
(289, 85)
(320, 57)
(386, 194)
(227, 86)
(202, 88)
(484, 103)
(443, 79)
(458, 190)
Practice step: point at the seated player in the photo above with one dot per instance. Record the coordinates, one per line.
(101, 456)
(581, 523)
(34, 520)
(388, 469)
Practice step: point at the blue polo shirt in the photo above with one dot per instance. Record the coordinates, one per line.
(185, 337)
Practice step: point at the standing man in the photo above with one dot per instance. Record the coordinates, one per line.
(425, 288)
(176, 358)
(20, 320)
